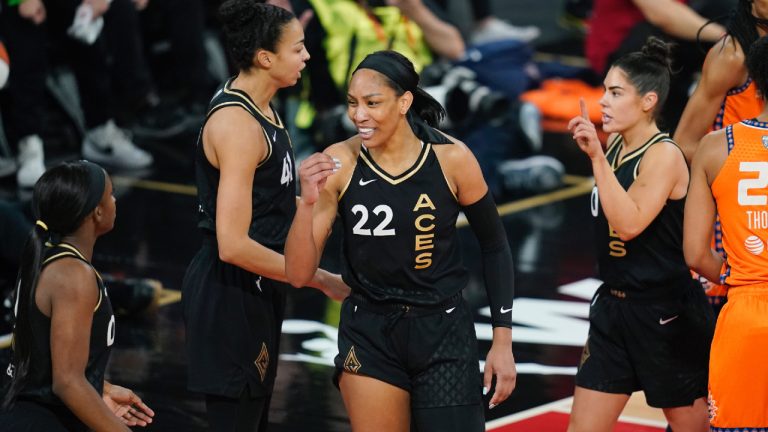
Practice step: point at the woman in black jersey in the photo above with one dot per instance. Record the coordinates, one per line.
(234, 290)
(64, 323)
(407, 347)
(650, 325)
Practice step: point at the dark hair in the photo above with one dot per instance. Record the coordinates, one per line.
(742, 25)
(649, 69)
(60, 200)
(248, 26)
(400, 75)
(757, 65)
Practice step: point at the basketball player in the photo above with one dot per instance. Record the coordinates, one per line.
(729, 177)
(650, 324)
(64, 327)
(234, 292)
(407, 347)
(725, 95)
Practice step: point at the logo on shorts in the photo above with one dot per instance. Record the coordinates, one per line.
(663, 321)
(585, 353)
(351, 363)
(765, 141)
(262, 362)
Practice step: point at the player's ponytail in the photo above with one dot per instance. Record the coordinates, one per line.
(61, 200)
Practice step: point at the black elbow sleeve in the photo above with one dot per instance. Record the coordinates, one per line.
(498, 270)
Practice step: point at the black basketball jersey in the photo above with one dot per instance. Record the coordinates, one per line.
(38, 386)
(654, 258)
(274, 187)
(400, 241)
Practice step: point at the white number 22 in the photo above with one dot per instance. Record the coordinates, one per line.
(381, 229)
(761, 182)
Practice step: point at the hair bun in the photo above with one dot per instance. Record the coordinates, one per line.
(238, 13)
(658, 51)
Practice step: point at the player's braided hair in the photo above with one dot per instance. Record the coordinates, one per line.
(757, 64)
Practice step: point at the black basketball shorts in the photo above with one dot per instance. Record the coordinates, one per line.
(430, 352)
(660, 347)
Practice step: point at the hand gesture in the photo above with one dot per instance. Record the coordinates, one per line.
(126, 405)
(585, 133)
(313, 173)
(500, 363)
(33, 10)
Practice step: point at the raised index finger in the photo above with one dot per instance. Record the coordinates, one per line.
(583, 107)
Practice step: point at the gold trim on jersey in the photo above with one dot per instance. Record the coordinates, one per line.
(346, 186)
(616, 140)
(637, 167)
(402, 177)
(616, 164)
(266, 136)
(447, 183)
(244, 96)
(223, 104)
(74, 252)
(269, 149)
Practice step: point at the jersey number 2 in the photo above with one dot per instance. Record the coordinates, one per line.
(381, 229)
(761, 182)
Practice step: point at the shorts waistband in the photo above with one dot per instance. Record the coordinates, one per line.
(665, 292)
(385, 308)
(756, 289)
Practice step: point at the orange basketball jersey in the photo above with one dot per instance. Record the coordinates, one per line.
(741, 192)
(740, 103)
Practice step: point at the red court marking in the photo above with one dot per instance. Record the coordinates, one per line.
(551, 421)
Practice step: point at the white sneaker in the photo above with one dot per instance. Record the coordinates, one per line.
(494, 29)
(108, 144)
(533, 174)
(31, 161)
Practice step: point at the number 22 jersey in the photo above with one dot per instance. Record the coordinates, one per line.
(400, 242)
(741, 192)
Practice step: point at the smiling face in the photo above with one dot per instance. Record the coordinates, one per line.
(374, 107)
(622, 106)
(290, 56)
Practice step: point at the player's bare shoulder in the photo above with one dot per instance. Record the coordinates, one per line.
(346, 152)
(452, 156)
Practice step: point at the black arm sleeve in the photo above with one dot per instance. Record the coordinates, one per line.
(498, 270)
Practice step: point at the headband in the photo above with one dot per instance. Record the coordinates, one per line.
(97, 180)
(406, 78)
